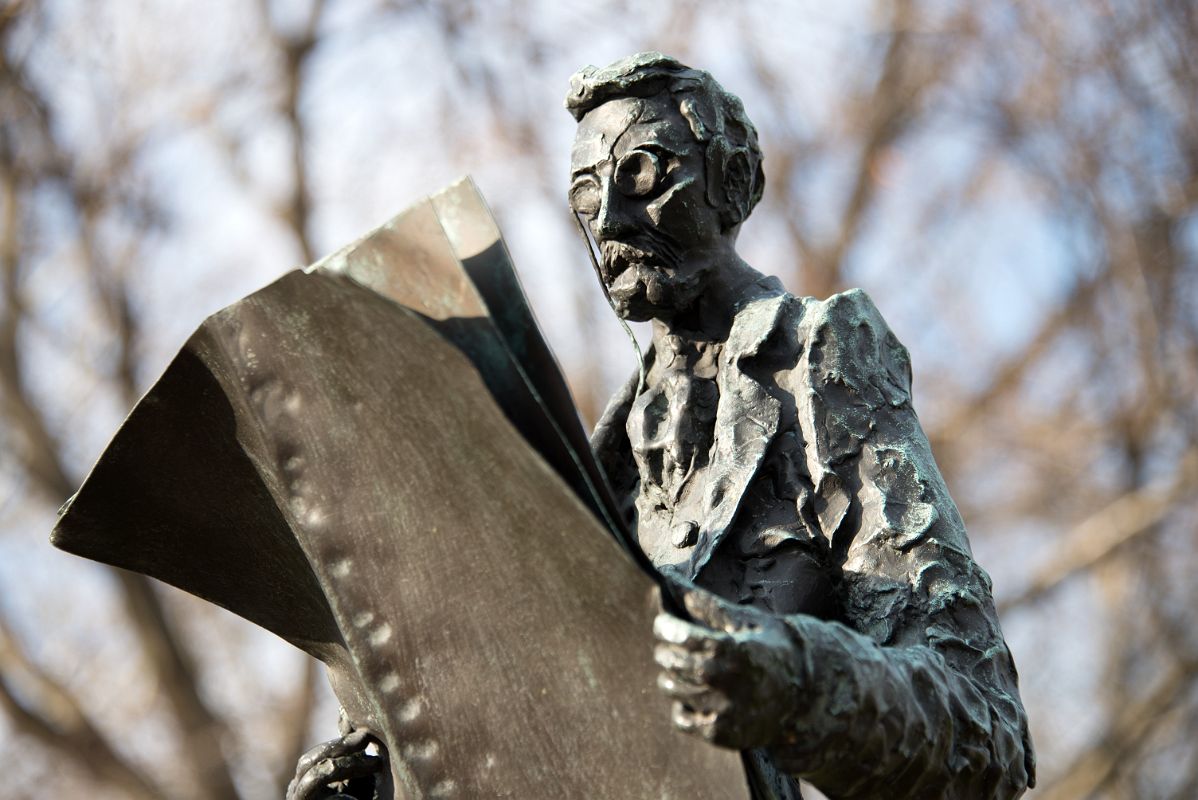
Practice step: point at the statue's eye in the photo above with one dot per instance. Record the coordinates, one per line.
(637, 173)
(584, 196)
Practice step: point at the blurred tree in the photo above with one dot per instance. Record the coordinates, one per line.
(1028, 172)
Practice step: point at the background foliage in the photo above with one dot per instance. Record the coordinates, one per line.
(1014, 183)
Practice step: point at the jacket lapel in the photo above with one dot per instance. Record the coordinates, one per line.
(746, 423)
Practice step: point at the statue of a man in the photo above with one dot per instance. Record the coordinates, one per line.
(771, 466)
(773, 461)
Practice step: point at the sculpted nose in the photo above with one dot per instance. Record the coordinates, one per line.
(612, 220)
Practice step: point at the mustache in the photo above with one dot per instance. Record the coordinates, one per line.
(619, 255)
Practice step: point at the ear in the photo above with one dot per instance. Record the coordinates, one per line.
(736, 186)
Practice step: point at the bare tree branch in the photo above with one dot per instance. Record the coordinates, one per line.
(1099, 765)
(41, 455)
(295, 722)
(53, 718)
(1098, 537)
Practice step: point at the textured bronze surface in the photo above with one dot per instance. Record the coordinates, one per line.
(767, 451)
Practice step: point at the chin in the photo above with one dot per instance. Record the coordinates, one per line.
(639, 312)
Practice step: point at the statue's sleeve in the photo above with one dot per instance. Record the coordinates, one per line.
(609, 442)
(916, 696)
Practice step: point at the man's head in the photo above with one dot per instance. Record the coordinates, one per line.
(665, 167)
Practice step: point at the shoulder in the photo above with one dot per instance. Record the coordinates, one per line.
(849, 376)
(846, 343)
(852, 306)
(841, 344)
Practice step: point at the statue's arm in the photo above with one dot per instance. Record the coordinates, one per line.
(609, 442)
(917, 696)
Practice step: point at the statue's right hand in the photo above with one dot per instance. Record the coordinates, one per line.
(734, 672)
(334, 761)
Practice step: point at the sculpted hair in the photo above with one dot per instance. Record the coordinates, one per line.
(735, 180)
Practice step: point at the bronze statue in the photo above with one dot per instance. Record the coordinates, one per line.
(769, 462)
(772, 457)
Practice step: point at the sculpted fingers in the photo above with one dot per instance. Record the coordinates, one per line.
(709, 724)
(680, 690)
(350, 743)
(694, 698)
(310, 780)
(313, 783)
(734, 684)
(689, 652)
(337, 760)
(695, 667)
(716, 612)
(318, 753)
(695, 662)
(671, 630)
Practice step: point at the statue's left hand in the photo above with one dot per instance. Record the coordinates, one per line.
(735, 678)
(335, 762)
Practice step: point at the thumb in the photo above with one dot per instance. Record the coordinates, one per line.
(716, 612)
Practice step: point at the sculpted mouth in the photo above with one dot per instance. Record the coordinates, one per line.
(619, 257)
(641, 282)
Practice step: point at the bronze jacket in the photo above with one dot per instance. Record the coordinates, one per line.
(822, 504)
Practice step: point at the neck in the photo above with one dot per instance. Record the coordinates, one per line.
(710, 317)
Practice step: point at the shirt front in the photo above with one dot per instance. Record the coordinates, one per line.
(774, 556)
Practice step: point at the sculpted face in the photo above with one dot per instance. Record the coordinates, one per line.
(639, 181)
